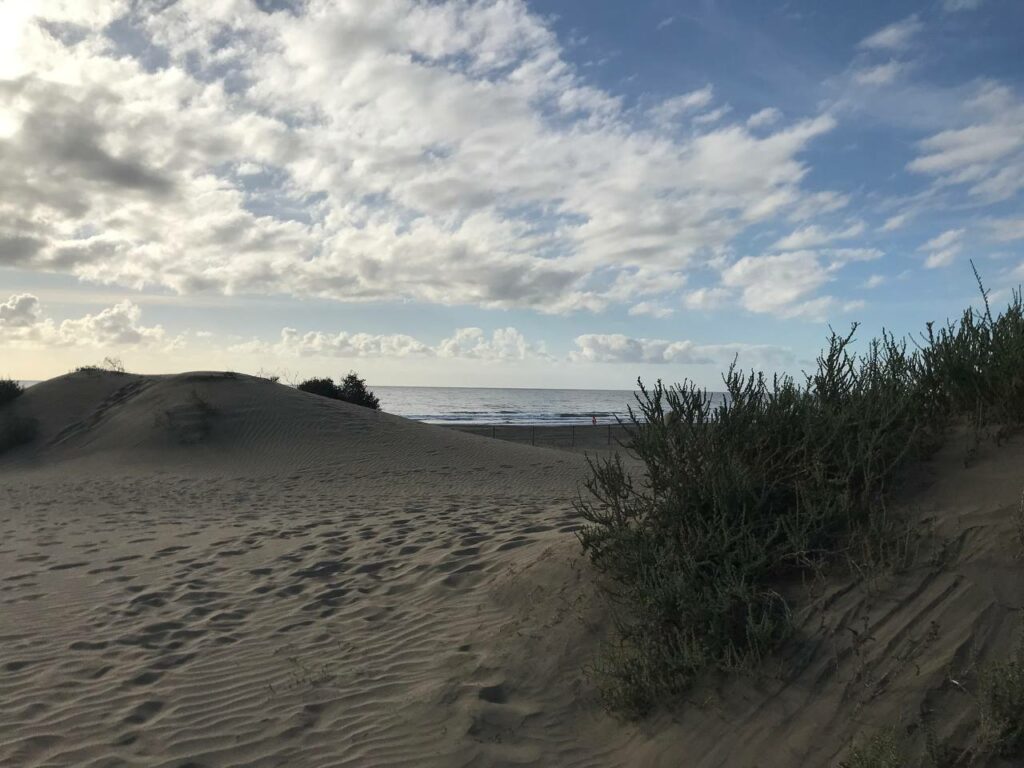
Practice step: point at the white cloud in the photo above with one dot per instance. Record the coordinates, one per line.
(618, 348)
(782, 284)
(1005, 230)
(951, 6)
(650, 308)
(813, 235)
(666, 22)
(879, 74)
(342, 344)
(987, 155)
(943, 258)
(874, 281)
(22, 324)
(765, 117)
(895, 222)
(443, 152)
(944, 240)
(706, 299)
(895, 36)
(505, 344)
(819, 203)
(19, 311)
(672, 109)
(713, 116)
(943, 249)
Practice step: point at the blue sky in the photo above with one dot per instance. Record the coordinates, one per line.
(500, 193)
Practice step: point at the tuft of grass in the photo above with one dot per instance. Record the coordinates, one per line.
(782, 478)
(885, 749)
(1001, 705)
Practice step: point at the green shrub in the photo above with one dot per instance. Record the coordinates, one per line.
(1001, 701)
(9, 391)
(883, 750)
(737, 497)
(352, 390)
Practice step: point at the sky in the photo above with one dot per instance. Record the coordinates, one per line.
(530, 193)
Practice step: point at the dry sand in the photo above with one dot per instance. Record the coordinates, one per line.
(211, 570)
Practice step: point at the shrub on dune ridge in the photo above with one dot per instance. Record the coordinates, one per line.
(781, 478)
(9, 391)
(15, 429)
(352, 390)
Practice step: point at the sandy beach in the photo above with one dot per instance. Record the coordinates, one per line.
(215, 570)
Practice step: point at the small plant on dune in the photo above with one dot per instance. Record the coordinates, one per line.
(10, 390)
(782, 478)
(352, 390)
(109, 365)
(1001, 703)
(975, 367)
(885, 749)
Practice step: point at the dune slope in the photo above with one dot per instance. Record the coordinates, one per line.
(213, 570)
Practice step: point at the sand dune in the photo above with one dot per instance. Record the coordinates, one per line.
(214, 570)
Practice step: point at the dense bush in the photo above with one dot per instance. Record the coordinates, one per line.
(15, 429)
(1001, 699)
(9, 391)
(737, 496)
(352, 390)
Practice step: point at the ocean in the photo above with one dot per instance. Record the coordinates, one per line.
(466, 405)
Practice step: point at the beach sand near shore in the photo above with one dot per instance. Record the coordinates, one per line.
(215, 570)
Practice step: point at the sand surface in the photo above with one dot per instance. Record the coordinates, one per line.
(202, 570)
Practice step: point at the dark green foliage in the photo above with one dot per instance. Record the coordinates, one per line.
(886, 749)
(15, 429)
(738, 497)
(1001, 700)
(976, 367)
(322, 387)
(352, 390)
(9, 391)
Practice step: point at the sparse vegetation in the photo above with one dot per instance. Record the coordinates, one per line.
(109, 365)
(352, 390)
(782, 478)
(885, 749)
(1001, 704)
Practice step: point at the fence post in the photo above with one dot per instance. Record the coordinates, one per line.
(609, 434)
(533, 435)
(573, 435)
